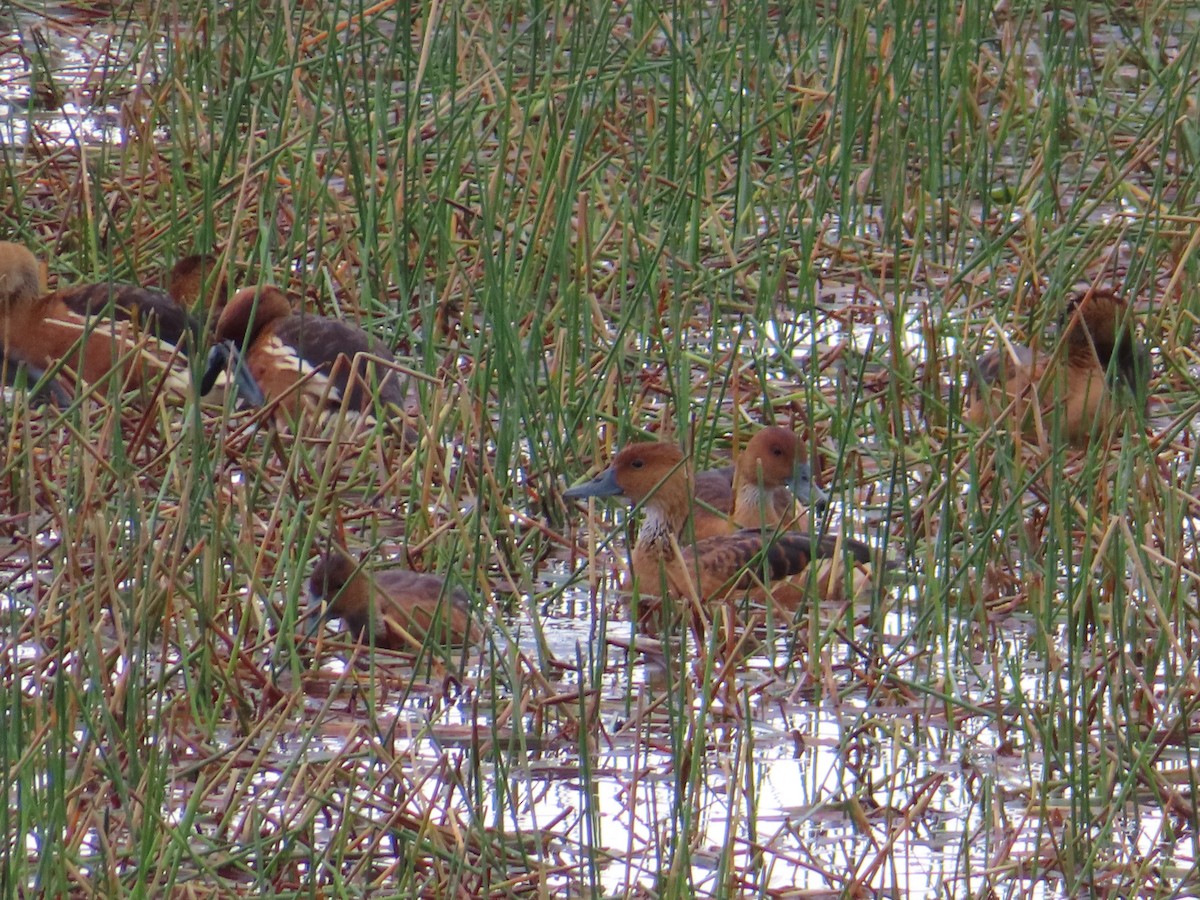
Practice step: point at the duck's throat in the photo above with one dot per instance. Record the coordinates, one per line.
(654, 538)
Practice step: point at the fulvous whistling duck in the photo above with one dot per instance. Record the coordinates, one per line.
(397, 607)
(94, 329)
(762, 501)
(167, 315)
(1075, 384)
(152, 312)
(655, 476)
(716, 492)
(769, 480)
(303, 360)
(187, 282)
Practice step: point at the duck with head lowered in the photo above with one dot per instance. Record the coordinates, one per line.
(762, 563)
(304, 362)
(1073, 389)
(140, 335)
(397, 609)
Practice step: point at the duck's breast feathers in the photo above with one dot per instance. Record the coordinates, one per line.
(151, 312)
(356, 364)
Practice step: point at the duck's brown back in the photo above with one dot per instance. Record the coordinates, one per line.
(152, 312)
(422, 604)
(355, 363)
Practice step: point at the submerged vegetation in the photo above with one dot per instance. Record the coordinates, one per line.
(579, 226)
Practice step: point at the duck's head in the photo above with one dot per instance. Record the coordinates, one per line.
(22, 277)
(772, 459)
(335, 587)
(639, 472)
(1099, 320)
(189, 279)
(242, 320)
(250, 311)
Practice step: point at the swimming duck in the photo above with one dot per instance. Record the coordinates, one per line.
(761, 501)
(770, 481)
(303, 360)
(716, 491)
(1075, 384)
(399, 608)
(655, 476)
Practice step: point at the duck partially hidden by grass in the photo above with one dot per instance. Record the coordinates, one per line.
(1073, 387)
(399, 609)
(787, 489)
(142, 335)
(763, 564)
(195, 283)
(304, 362)
(765, 471)
(165, 315)
(772, 486)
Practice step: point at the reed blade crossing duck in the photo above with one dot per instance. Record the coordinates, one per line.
(715, 490)
(399, 608)
(764, 470)
(196, 284)
(1075, 385)
(304, 361)
(772, 487)
(762, 564)
(94, 329)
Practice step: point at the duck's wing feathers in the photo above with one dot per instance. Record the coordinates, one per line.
(422, 604)
(751, 556)
(331, 347)
(1000, 365)
(153, 312)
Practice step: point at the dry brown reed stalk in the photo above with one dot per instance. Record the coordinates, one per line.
(572, 251)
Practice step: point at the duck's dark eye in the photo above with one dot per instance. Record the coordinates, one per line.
(636, 464)
(777, 451)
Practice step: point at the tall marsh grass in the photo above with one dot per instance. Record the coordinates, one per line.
(580, 225)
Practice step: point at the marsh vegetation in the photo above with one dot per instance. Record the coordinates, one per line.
(578, 226)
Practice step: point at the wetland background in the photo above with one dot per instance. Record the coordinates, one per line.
(580, 225)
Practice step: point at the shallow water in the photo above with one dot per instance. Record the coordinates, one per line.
(884, 761)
